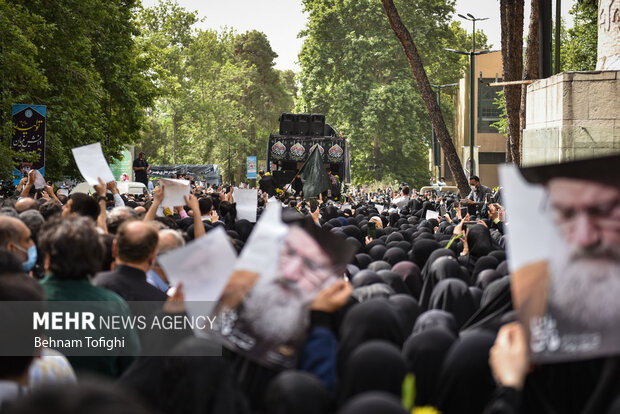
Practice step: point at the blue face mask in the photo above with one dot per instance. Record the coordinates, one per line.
(32, 257)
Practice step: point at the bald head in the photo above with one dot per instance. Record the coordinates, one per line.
(169, 240)
(15, 236)
(136, 242)
(26, 203)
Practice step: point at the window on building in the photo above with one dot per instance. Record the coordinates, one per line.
(492, 157)
(488, 112)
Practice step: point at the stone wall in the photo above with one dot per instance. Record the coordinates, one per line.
(572, 115)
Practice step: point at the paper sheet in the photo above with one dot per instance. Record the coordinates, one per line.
(92, 164)
(260, 254)
(430, 214)
(39, 181)
(64, 192)
(174, 192)
(204, 267)
(531, 232)
(246, 200)
(379, 208)
(345, 207)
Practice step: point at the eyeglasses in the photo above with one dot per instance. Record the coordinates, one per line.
(288, 253)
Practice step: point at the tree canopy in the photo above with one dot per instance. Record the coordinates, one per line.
(355, 71)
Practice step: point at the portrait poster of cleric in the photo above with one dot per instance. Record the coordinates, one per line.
(564, 254)
(264, 311)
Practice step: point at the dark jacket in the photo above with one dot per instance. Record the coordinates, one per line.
(268, 185)
(129, 283)
(102, 302)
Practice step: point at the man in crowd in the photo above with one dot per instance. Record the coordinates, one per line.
(168, 241)
(267, 183)
(478, 192)
(403, 200)
(141, 169)
(135, 249)
(15, 236)
(72, 253)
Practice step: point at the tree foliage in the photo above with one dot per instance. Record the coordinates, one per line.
(80, 60)
(355, 71)
(219, 95)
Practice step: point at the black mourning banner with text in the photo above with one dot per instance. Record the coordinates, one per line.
(286, 148)
(29, 138)
(207, 172)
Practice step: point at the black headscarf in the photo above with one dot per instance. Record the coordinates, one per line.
(453, 295)
(374, 402)
(424, 353)
(373, 319)
(394, 255)
(421, 251)
(436, 318)
(365, 277)
(483, 263)
(410, 273)
(466, 383)
(297, 392)
(440, 265)
(379, 265)
(502, 268)
(377, 252)
(373, 366)
(394, 281)
(486, 277)
(199, 384)
(408, 310)
(476, 295)
(479, 241)
(500, 255)
(362, 260)
(496, 301)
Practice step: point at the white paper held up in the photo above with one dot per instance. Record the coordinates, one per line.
(430, 214)
(204, 267)
(92, 164)
(174, 192)
(39, 181)
(246, 200)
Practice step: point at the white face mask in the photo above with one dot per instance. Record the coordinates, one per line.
(473, 187)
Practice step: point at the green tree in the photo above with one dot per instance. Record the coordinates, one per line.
(579, 49)
(354, 71)
(80, 60)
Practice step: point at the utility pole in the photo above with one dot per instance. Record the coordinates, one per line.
(436, 146)
(472, 78)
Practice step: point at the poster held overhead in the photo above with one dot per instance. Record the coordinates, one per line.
(563, 237)
(174, 192)
(92, 164)
(246, 201)
(203, 266)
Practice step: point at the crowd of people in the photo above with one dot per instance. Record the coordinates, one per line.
(419, 320)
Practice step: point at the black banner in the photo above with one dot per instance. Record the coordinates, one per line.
(286, 148)
(207, 172)
(29, 137)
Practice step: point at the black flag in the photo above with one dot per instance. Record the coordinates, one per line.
(313, 174)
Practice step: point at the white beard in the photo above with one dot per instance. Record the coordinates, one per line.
(585, 286)
(275, 314)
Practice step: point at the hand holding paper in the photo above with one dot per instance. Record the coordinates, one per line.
(175, 193)
(92, 164)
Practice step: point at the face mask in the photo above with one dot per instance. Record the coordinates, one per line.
(473, 187)
(32, 257)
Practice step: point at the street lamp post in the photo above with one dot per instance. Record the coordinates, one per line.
(433, 134)
(472, 71)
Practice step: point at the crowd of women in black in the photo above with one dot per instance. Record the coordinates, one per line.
(428, 298)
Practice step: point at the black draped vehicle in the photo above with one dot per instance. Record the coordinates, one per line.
(298, 136)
